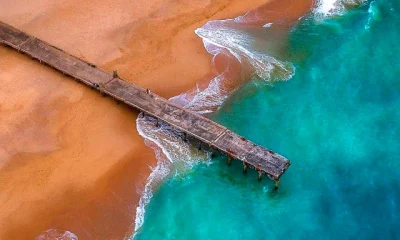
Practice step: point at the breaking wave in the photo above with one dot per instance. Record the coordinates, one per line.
(56, 234)
(246, 47)
(240, 52)
(174, 155)
(235, 61)
(335, 7)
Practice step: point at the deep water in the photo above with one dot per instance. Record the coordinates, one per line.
(337, 120)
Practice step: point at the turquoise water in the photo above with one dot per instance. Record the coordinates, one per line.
(337, 120)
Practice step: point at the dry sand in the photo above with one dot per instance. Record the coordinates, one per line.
(70, 159)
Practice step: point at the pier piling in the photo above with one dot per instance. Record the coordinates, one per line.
(276, 185)
(244, 167)
(229, 161)
(260, 173)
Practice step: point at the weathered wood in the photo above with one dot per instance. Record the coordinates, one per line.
(214, 135)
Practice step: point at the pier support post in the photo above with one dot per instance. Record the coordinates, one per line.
(229, 161)
(276, 185)
(260, 173)
(244, 167)
(184, 137)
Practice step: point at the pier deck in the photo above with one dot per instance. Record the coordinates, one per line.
(214, 135)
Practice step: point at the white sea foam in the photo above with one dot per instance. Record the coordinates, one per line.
(236, 43)
(267, 25)
(224, 34)
(227, 38)
(157, 174)
(173, 156)
(326, 7)
(236, 46)
(375, 14)
(335, 7)
(207, 99)
(56, 234)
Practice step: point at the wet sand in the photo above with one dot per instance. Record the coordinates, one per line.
(69, 158)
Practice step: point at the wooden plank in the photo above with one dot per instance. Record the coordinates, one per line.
(197, 126)
(65, 63)
(254, 155)
(152, 104)
(12, 36)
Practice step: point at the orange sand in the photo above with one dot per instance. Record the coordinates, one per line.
(69, 158)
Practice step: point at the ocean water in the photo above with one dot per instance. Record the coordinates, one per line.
(337, 119)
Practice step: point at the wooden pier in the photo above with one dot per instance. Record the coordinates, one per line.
(214, 135)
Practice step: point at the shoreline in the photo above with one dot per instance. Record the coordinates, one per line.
(58, 171)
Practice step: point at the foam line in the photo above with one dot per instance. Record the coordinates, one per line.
(236, 59)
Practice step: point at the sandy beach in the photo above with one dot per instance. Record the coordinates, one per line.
(69, 158)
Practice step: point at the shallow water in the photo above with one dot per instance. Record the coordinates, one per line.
(337, 119)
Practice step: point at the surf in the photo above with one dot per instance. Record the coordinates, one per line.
(243, 48)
